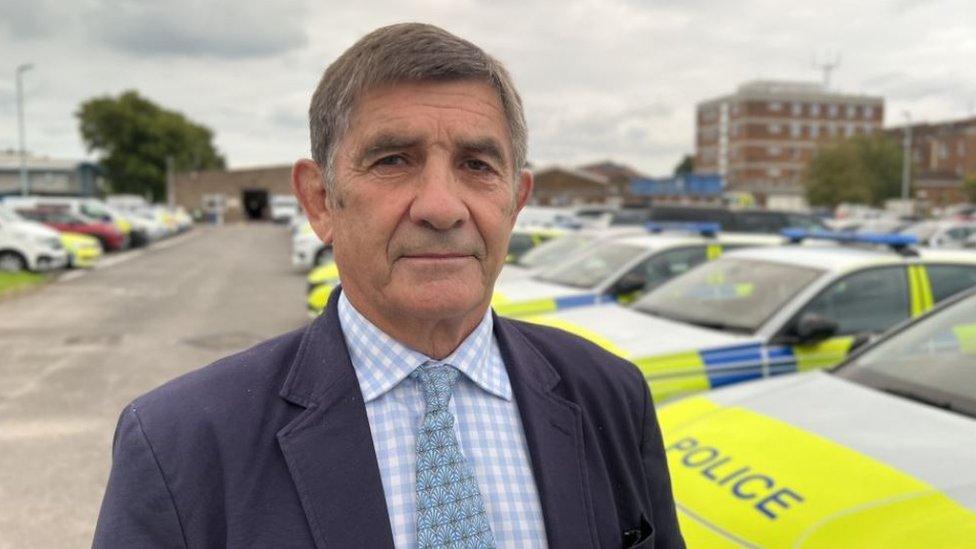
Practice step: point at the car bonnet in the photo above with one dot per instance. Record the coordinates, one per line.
(813, 460)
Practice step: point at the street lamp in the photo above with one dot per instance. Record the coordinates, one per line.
(906, 163)
(24, 185)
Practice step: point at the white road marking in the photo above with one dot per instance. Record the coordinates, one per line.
(72, 275)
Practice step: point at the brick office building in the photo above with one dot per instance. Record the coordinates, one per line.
(761, 138)
(943, 156)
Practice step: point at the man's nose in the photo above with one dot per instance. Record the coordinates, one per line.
(438, 203)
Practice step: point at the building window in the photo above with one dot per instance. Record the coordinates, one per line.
(774, 151)
(735, 109)
(851, 111)
(796, 129)
(774, 172)
(849, 130)
(833, 129)
(797, 153)
(832, 111)
(797, 108)
(961, 148)
(868, 111)
(815, 109)
(774, 128)
(814, 130)
(775, 106)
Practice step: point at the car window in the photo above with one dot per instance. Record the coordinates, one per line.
(804, 222)
(932, 360)
(519, 244)
(869, 301)
(551, 252)
(730, 293)
(668, 264)
(592, 268)
(946, 280)
(759, 222)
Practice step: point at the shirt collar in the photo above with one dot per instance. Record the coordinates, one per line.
(381, 362)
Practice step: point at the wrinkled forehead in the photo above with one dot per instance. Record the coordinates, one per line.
(461, 113)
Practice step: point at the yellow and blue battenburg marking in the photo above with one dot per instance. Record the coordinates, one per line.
(679, 374)
(505, 307)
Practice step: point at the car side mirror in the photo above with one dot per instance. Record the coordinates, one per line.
(813, 328)
(628, 284)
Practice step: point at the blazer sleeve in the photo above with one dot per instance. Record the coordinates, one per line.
(138, 509)
(666, 532)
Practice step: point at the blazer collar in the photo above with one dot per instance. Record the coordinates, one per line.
(329, 447)
(554, 433)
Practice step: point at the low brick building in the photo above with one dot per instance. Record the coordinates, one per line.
(560, 186)
(242, 194)
(943, 156)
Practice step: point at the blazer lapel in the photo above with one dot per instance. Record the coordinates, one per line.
(553, 430)
(329, 448)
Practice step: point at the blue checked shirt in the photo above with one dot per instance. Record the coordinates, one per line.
(488, 426)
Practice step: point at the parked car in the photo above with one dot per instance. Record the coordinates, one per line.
(877, 452)
(83, 251)
(942, 233)
(110, 237)
(26, 245)
(284, 207)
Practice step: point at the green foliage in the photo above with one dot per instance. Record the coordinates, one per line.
(134, 136)
(865, 169)
(969, 187)
(686, 166)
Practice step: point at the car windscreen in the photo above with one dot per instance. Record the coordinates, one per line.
(932, 361)
(629, 216)
(590, 269)
(9, 216)
(733, 294)
(551, 252)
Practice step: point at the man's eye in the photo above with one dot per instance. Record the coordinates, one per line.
(392, 160)
(477, 165)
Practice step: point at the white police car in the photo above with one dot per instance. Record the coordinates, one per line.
(561, 248)
(878, 452)
(770, 310)
(619, 269)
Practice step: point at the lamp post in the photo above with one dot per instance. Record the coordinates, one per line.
(906, 163)
(24, 184)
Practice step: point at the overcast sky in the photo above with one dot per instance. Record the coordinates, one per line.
(601, 79)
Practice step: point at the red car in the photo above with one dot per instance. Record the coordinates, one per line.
(109, 235)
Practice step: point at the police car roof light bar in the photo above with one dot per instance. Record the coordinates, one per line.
(702, 228)
(897, 242)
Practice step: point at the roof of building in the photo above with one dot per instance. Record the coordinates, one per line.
(10, 161)
(613, 171)
(793, 91)
(582, 174)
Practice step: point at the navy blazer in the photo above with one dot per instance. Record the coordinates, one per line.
(271, 447)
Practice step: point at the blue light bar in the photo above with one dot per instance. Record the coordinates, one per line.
(704, 229)
(896, 241)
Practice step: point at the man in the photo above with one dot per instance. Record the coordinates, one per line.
(407, 414)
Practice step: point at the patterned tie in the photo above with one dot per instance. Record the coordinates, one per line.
(450, 511)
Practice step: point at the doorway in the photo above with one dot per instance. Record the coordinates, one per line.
(255, 203)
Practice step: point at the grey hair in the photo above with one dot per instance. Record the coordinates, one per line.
(396, 53)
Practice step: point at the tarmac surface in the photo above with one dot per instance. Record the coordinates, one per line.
(75, 352)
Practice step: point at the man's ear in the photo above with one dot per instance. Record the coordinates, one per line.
(308, 184)
(523, 191)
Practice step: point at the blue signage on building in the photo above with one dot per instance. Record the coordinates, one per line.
(684, 185)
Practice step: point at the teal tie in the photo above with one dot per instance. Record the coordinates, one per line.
(450, 510)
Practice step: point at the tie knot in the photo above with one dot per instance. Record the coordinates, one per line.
(438, 382)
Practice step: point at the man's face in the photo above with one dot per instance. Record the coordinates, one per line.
(425, 199)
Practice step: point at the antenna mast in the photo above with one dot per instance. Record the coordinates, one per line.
(827, 67)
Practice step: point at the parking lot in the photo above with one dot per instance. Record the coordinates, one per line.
(73, 353)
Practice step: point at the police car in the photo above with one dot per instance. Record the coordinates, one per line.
(619, 269)
(879, 452)
(322, 279)
(561, 248)
(764, 311)
(307, 249)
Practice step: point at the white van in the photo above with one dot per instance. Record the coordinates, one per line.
(284, 207)
(26, 245)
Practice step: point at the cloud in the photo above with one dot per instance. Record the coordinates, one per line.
(227, 29)
(27, 20)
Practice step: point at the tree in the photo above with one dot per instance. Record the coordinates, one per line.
(134, 137)
(865, 169)
(686, 166)
(969, 188)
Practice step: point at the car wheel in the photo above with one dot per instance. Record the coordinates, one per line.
(12, 262)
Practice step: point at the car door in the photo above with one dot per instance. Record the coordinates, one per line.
(860, 304)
